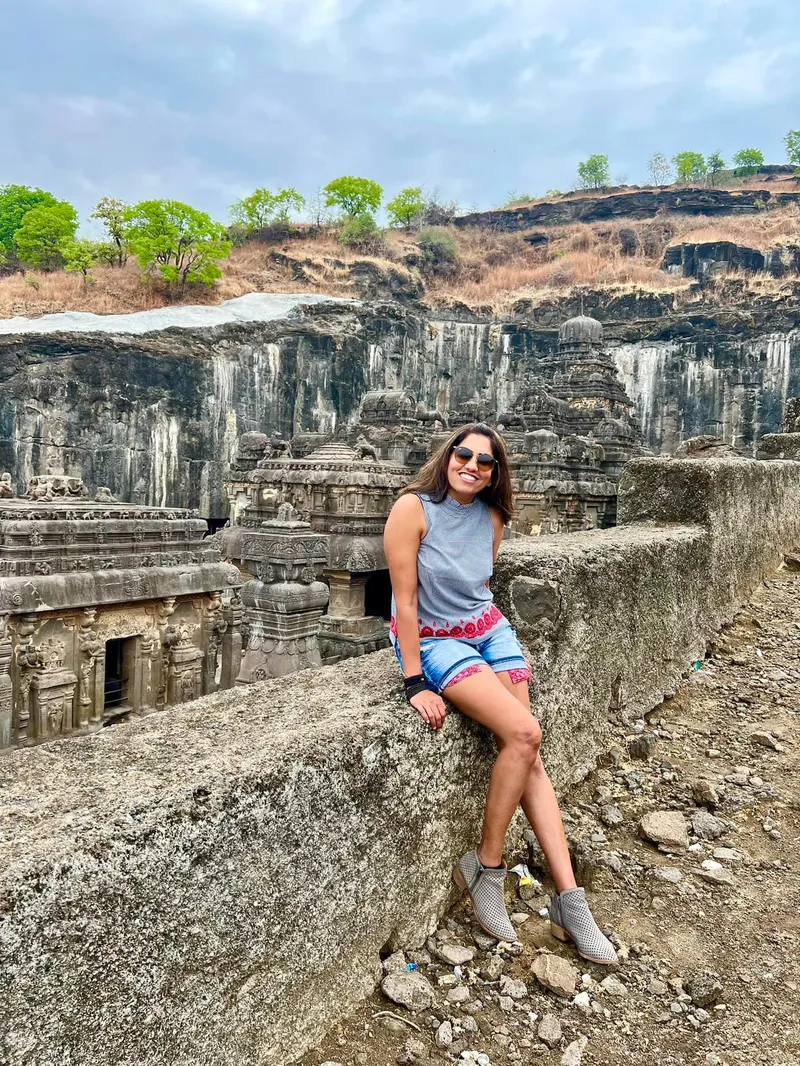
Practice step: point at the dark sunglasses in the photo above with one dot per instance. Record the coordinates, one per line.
(463, 455)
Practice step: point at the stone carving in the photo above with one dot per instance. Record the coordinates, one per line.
(6, 488)
(53, 486)
(104, 495)
(364, 450)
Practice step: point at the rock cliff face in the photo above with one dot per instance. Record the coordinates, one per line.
(152, 405)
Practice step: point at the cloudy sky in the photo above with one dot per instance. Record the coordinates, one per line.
(202, 100)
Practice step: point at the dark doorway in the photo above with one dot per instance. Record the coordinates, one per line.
(119, 670)
(378, 595)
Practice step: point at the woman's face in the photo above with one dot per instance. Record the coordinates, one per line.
(466, 478)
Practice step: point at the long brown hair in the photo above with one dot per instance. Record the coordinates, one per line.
(432, 478)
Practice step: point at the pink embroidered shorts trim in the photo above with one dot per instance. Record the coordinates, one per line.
(445, 660)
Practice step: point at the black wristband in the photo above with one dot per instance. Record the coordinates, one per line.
(415, 689)
(414, 679)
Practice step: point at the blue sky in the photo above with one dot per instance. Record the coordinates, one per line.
(202, 100)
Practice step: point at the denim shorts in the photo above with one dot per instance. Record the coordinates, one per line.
(448, 660)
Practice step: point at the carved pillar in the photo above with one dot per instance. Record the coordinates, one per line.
(184, 665)
(164, 610)
(6, 693)
(284, 604)
(345, 631)
(52, 693)
(26, 659)
(90, 693)
(232, 641)
(214, 626)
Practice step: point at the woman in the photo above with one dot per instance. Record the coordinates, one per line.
(453, 644)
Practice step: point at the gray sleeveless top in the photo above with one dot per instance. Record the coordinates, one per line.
(454, 563)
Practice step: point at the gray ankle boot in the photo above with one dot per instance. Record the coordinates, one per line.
(571, 919)
(485, 887)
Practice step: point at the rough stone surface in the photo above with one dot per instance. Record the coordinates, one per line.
(668, 829)
(555, 973)
(707, 826)
(271, 828)
(574, 1052)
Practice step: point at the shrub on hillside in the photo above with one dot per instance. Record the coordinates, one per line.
(439, 250)
(177, 241)
(362, 232)
(44, 232)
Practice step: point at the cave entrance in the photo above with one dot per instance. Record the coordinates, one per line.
(120, 659)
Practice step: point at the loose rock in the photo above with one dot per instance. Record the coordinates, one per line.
(671, 874)
(704, 987)
(643, 746)
(549, 1030)
(668, 829)
(410, 990)
(459, 994)
(556, 974)
(704, 793)
(454, 954)
(510, 987)
(613, 987)
(707, 826)
(611, 815)
(572, 1056)
(444, 1034)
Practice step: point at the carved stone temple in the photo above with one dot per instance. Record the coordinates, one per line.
(344, 494)
(569, 433)
(106, 609)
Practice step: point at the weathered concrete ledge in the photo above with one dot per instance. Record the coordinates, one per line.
(214, 884)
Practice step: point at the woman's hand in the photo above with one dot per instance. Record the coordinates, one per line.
(431, 707)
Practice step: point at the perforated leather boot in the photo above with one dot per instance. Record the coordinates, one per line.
(571, 919)
(485, 887)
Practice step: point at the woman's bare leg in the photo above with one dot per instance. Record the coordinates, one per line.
(484, 698)
(540, 805)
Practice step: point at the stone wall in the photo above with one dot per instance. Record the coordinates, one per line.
(216, 885)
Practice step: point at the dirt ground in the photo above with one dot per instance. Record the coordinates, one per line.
(710, 970)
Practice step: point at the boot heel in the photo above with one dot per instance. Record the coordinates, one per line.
(458, 879)
(559, 933)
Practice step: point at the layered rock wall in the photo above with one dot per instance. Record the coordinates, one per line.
(153, 409)
(215, 883)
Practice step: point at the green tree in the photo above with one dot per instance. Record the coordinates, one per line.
(111, 212)
(43, 232)
(353, 196)
(15, 202)
(181, 243)
(792, 142)
(715, 163)
(362, 232)
(439, 250)
(81, 255)
(594, 173)
(748, 160)
(407, 207)
(262, 207)
(659, 169)
(689, 166)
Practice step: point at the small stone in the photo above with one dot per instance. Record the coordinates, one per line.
(574, 1052)
(549, 1030)
(665, 828)
(492, 968)
(410, 990)
(738, 777)
(704, 793)
(716, 874)
(518, 918)
(611, 815)
(506, 1003)
(707, 826)
(704, 987)
(394, 1025)
(671, 874)
(331, 1063)
(728, 854)
(614, 987)
(468, 1024)
(454, 954)
(444, 1034)
(657, 987)
(459, 994)
(483, 941)
(765, 740)
(395, 963)
(475, 1058)
(583, 1002)
(643, 746)
(510, 987)
(527, 890)
(413, 1051)
(556, 974)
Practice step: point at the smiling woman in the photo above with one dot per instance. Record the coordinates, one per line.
(452, 641)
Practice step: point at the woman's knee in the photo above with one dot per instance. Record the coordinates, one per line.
(526, 738)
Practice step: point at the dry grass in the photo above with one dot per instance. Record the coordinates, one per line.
(494, 269)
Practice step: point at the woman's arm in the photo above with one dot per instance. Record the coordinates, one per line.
(498, 527)
(405, 528)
